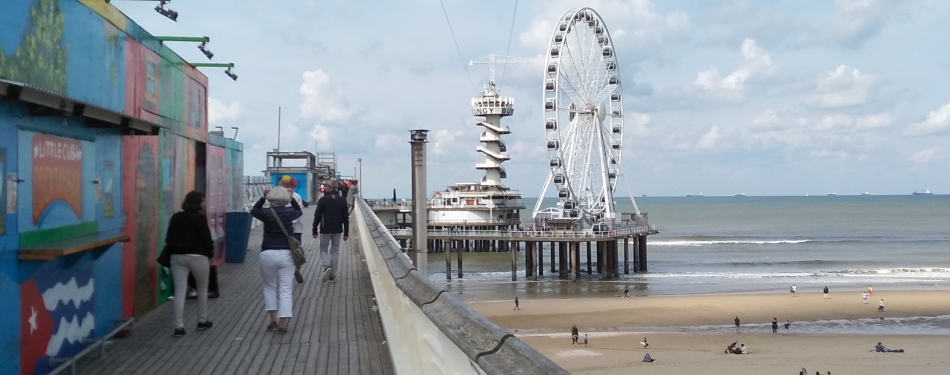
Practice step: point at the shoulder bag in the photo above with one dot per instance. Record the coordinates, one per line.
(296, 249)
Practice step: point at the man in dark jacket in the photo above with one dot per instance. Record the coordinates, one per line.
(332, 220)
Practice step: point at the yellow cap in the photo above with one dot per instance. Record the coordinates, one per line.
(285, 178)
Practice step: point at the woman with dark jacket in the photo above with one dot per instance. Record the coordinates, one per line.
(276, 261)
(189, 241)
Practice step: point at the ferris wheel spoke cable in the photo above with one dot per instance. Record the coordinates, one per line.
(457, 48)
(572, 80)
(504, 67)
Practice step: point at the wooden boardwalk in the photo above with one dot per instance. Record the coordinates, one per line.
(335, 329)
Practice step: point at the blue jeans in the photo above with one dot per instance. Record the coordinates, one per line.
(330, 249)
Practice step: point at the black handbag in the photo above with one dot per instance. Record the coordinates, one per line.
(165, 257)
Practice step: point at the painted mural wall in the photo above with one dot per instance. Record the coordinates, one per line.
(60, 180)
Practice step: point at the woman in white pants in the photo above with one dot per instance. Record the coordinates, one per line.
(188, 239)
(276, 262)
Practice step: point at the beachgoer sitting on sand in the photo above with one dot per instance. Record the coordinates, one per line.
(644, 343)
(883, 349)
(731, 347)
(743, 350)
(803, 372)
(647, 358)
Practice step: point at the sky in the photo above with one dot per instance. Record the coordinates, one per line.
(720, 98)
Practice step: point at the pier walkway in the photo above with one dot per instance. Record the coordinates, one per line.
(335, 329)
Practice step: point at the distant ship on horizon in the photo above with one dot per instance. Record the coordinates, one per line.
(865, 193)
(923, 192)
(740, 195)
(832, 194)
(694, 195)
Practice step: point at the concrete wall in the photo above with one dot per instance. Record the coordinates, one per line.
(429, 331)
(88, 52)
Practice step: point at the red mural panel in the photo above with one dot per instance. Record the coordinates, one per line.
(217, 197)
(57, 173)
(36, 327)
(140, 188)
(142, 81)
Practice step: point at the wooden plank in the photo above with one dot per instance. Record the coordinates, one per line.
(52, 250)
(334, 329)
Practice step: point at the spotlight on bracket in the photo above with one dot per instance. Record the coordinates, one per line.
(204, 49)
(231, 74)
(168, 13)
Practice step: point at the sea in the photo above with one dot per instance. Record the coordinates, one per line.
(749, 244)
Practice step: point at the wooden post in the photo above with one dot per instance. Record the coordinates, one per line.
(448, 260)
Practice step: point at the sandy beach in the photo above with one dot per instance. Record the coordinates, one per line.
(615, 347)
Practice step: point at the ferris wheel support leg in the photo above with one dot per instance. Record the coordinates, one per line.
(537, 205)
(636, 209)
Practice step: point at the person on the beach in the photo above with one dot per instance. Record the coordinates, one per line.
(870, 291)
(774, 325)
(574, 335)
(826, 292)
(883, 349)
(803, 372)
(647, 358)
(743, 349)
(787, 324)
(585, 339)
(864, 297)
(737, 325)
(644, 343)
(793, 289)
(626, 293)
(880, 306)
(516, 304)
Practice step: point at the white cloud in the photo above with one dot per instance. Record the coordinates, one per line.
(635, 124)
(844, 86)
(320, 99)
(386, 141)
(445, 142)
(767, 119)
(924, 156)
(936, 121)
(218, 111)
(321, 134)
(635, 21)
(710, 139)
(856, 20)
(755, 61)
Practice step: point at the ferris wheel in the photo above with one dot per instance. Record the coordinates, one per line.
(583, 118)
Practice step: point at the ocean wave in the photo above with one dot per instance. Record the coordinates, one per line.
(724, 242)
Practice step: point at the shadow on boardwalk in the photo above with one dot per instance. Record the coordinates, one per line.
(334, 330)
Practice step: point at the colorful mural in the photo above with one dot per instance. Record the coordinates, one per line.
(140, 198)
(56, 306)
(60, 180)
(57, 175)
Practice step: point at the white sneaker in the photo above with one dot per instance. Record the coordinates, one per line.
(326, 274)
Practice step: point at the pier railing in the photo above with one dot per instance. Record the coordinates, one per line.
(430, 331)
(516, 234)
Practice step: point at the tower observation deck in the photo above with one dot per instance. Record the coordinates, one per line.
(492, 107)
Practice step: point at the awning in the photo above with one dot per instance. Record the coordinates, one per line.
(48, 103)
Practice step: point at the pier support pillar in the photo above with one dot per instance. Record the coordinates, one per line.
(636, 253)
(600, 257)
(643, 253)
(528, 261)
(458, 253)
(540, 248)
(588, 258)
(626, 255)
(577, 260)
(572, 246)
(514, 261)
(448, 259)
(553, 257)
(562, 260)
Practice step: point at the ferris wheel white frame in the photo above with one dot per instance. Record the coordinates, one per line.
(583, 117)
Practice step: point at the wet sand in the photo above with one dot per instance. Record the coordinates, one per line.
(612, 352)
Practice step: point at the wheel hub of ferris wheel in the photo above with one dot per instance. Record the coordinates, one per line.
(583, 118)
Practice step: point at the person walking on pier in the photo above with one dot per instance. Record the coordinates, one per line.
(351, 196)
(188, 239)
(290, 183)
(276, 261)
(332, 219)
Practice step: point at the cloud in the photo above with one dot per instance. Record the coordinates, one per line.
(635, 124)
(320, 133)
(386, 141)
(445, 142)
(937, 120)
(924, 156)
(857, 20)
(218, 111)
(755, 61)
(320, 99)
(710, 139)
(630, 22)
(844, 86)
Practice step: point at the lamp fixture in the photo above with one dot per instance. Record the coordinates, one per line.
(168, 13)
(231, 74)
(203, 47)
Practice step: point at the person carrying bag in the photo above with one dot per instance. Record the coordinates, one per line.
(280, 255)
(296, 250)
